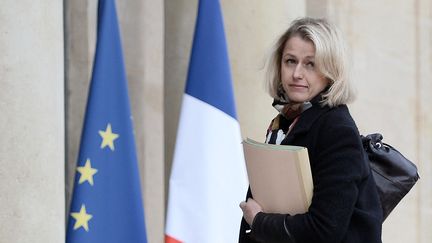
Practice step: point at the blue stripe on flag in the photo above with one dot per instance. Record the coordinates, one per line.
(209, 76)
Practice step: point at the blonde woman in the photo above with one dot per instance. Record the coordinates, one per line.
(308, 77)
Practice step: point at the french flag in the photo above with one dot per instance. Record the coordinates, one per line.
(208, 177)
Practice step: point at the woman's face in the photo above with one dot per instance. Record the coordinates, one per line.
(301, 79)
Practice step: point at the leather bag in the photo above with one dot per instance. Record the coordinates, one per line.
(394, 174)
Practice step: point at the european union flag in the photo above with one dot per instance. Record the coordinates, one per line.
(107, 204)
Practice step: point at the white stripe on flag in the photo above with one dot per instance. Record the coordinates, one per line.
(208, 178)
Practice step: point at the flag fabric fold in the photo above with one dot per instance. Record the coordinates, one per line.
(106, 202)
(208, 177)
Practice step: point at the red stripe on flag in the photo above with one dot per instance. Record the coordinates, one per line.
(169, 239)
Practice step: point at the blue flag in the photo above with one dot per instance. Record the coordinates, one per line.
(107, 204)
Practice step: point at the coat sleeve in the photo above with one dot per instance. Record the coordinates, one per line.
(337, 167)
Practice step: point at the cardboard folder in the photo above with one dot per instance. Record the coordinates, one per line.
(279, 176)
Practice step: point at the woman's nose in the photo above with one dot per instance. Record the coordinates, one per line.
(298, 71)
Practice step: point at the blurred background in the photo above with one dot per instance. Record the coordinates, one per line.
(47, 50)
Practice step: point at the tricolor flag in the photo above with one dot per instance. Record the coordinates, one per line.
(208, 177)
(106, 202)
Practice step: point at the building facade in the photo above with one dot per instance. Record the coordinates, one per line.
(47, 53)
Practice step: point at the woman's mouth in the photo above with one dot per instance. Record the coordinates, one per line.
(298, 86)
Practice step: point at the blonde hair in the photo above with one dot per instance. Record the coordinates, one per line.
(330, 57)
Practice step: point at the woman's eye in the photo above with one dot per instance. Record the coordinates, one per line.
(310, 64)
(290, 61)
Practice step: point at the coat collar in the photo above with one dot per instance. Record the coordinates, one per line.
(305, 121)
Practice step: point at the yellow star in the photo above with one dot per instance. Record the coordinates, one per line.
(81, 218)
(87, 173)
(108, 137)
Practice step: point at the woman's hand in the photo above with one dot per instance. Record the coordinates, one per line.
(250, 208)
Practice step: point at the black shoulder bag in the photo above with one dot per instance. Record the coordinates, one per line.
(394, 174)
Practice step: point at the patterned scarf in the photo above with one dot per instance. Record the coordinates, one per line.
(283, 123)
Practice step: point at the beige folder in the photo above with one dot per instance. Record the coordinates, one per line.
(279, 176)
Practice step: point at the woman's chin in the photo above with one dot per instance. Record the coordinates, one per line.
(298, 98)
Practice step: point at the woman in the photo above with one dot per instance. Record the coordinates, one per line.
(308, 79)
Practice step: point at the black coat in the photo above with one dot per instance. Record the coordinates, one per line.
(345, 205)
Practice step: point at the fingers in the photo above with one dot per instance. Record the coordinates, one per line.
(243, 205)
(250, 208)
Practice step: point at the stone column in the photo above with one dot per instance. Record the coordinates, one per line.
(80, 44)
(179, 27)
(32, 121)
(423, 145)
